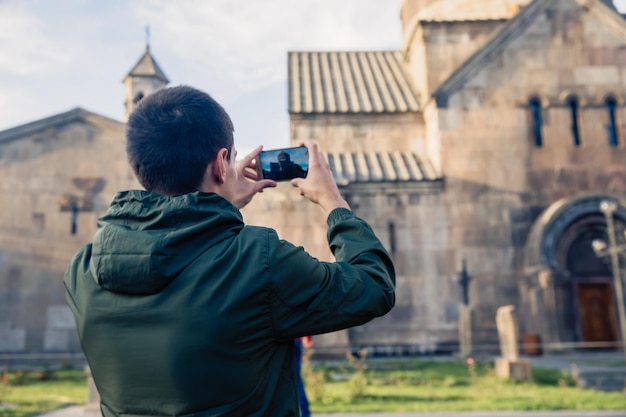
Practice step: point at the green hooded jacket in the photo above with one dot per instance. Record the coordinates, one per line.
(182, 310)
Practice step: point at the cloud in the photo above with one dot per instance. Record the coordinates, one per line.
(67, 53)
(244, 44)
(25, 48)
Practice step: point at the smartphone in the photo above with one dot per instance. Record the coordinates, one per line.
(283, 164)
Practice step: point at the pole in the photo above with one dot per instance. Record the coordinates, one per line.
(608, 208)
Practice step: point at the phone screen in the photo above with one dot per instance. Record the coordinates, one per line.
(284, 164)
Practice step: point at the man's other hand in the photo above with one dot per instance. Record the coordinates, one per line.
(319, 185)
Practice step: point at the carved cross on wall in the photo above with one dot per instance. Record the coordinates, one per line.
(464, 280)
(75, 203)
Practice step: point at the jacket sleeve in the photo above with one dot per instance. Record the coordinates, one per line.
(310, 297)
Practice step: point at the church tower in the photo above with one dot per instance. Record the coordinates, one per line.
(145, 78)
(410, 8)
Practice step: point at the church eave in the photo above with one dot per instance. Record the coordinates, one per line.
(394, 187)
(381, 167)
(162, 78)
(71, 116)
(147, 66)
(353, 113)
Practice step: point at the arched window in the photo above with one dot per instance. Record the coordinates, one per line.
(137, 98)
(392, 237)
(573, 107)
(535, 111)
(611, 107)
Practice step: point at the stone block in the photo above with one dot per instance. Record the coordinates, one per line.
(516, 369)
(451, 313)
(56, 340)
(597, 75)
(467, 325)
(60, 317)
(508, 330)
(12, 340)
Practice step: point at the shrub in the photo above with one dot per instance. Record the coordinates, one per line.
(359, 380)
(314, 381)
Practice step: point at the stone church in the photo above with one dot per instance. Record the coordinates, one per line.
(489, 146)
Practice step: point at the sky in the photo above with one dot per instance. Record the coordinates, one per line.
(61, 54)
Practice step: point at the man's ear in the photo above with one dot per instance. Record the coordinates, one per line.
(220, 166)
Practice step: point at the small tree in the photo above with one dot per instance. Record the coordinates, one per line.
(359, 380)
(314, 381)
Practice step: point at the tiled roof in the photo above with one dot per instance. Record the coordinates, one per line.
(148, 67)
(464, 10)
(367, 167)
(349, 82)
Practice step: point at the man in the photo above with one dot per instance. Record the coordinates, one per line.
(181, 309)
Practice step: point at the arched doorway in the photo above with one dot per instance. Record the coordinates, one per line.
(589, 283)
(577, 304)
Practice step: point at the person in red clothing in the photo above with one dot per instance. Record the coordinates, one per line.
(301, 343)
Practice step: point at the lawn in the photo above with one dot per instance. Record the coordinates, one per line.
(358, 385)
(29, 393)
(416, 385)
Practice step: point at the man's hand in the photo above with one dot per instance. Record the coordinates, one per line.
(248, 183)
(319, 185)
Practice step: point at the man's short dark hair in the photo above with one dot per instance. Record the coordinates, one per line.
(173, 135)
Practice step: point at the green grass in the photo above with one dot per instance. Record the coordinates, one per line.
(399, 385)
(32, 393)
(425, 386)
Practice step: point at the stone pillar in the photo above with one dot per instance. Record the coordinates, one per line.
(547, 312)
(467, 324)
(510, 365)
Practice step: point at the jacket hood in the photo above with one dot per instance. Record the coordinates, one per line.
(146, 239)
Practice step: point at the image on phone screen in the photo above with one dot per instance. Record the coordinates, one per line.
(284, 164)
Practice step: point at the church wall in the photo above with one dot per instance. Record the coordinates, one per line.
(497, 179)
(427, 294)
(426, 310)
(35, 238)
(354, 133)
(439, 48)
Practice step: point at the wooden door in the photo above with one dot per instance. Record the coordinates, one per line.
(598, 322)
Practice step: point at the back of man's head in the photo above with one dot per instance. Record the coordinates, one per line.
(173, 135)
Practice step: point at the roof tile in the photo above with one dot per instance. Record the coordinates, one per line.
(349, 82)
(376, 167)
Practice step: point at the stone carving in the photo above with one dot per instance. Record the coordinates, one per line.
(507, 325)
(467, 324)
(510, 365)
(545, 279)
(73, 203)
